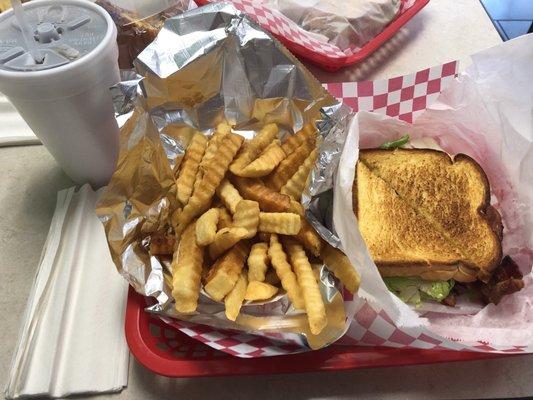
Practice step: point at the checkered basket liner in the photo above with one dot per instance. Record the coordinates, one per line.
(403, 97)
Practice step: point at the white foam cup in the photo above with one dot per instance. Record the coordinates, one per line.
(65, 99)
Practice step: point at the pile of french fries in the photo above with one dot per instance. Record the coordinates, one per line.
(240, 229)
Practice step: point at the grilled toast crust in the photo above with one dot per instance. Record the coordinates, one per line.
(392, 228)
(451, 195)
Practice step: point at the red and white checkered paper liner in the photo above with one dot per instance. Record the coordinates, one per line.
(278, 24)
(402, 97)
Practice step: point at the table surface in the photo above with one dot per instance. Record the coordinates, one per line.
(445, 30)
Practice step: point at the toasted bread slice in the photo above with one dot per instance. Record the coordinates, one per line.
(452, 197)
(400, 240)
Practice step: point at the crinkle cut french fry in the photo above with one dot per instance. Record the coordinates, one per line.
(279, 262)
(206, 227)
(247, 216)
(268, 199)
(213, 175)
(309, 238)
(212, 147)
(296, 184)
(259, 291)
(167, 278)
(234, 299)
(225, 239)
(254, 147)
(306, 135)
(197, 180)
(282, 223)
(314, 305)
(225, 272)
(342, 268)
(161, 244)
(265, 163)
(296, 208)
(287, 168)
(229, 195)
(214, 142)
(223, 128)
(186, 271)
(189, 167)
(224, 219)
(307, 235)
(258, 262)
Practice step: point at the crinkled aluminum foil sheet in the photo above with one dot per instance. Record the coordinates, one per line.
(205, 66)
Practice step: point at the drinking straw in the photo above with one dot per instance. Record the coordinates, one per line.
(26, 30)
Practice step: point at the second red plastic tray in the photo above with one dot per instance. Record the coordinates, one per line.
(335, 63)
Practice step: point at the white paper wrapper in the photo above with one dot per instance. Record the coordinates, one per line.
(487, 114)
(346, 25)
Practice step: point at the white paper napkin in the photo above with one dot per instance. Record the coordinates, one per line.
(14, 131)
(72, 337)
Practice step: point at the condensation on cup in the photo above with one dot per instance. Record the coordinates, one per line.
(56, 67)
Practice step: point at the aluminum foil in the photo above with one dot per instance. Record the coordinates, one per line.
(208, 65)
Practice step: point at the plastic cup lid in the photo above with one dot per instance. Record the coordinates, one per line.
(63, 33)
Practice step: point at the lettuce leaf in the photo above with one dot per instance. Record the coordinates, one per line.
(395, 143)
(414, 290)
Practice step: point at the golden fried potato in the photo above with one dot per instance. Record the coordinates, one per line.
(206, 227)
(259, 291)
(314, 305)
(223, 128)
(309, 238)
(308, 135)
(254, 147)
(162, 243)
(282, 223)
(296, 208)
(225, 239)
(189, 167)
(229, 195)
(284, 272)
(258, 262)
(224, 219)
(213, 145)
(296, 184)
(268, 199)
(265, 163)
(186, 271)
(287, 168)
(342, 268)
(197, 181)
(234, 299)
(212, 176)
(247, 216)
(225, 272)
(167, 278)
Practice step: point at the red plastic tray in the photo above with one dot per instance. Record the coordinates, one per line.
(169, 352)
(333, 64)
